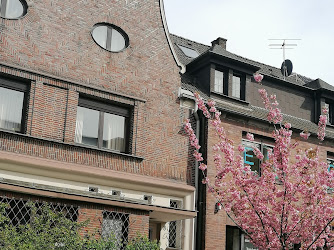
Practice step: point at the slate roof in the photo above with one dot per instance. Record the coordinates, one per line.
(249, 110)
(265, 69)
(320, 84)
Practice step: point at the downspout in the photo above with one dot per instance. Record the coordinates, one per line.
(189, 95)
(197, 133)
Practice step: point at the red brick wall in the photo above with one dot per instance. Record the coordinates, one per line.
(54, 40)
(138, 224)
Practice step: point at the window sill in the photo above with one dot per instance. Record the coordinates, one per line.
(330, 125)
(230, 98)
(71, 144)
(105, 150)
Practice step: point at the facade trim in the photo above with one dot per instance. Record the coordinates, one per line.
(12, 160)
(185, 214)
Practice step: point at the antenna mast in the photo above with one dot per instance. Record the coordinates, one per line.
(283, 46)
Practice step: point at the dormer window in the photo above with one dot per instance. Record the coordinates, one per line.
(330, 114)
(236, 86)
(229, 83)
(13, 9)
(219, 82)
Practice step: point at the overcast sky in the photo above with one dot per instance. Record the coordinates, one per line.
(248, 24)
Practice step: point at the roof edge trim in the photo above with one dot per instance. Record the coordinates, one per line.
(171, 47)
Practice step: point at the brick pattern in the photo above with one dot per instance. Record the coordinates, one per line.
(53, 44)
(138, 223)
(292, 101)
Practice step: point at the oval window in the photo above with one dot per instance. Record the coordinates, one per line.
(13, 9)
(110, 37)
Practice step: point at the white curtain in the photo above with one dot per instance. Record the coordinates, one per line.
(113, 132)
(79, 126)
(11, 104)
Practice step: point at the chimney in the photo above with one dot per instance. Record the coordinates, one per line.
(219, 41)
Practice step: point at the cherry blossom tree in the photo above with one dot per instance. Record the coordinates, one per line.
(290, 203)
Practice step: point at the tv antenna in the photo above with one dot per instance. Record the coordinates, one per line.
(286, 67)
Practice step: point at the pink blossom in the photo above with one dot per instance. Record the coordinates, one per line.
(258, 153)
(241, 148)
(289, 197)
(325, 110)
(322, 127)
(258, 77)
(250, 136)
(304, 135)
(202, 166)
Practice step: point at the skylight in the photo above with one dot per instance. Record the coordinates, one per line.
(189, 52)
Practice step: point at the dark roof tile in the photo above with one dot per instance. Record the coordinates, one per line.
(265, 69)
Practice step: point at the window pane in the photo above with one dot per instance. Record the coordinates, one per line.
(14, 9)
(236, 87)
(117, 41)
(330, 164)
(114, 132)
(250, 158)
(219, 82)
(100, 36)
(11, 104)
(87, 125)
(232, 238)
(189, 52)
(115, 226)
(266, 150)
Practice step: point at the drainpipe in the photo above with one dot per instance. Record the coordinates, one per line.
(189, 95)
(197, 133)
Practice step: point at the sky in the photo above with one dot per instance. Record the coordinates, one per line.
(249, 24)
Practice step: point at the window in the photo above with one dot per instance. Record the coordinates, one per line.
(188, 51)
(116, 225)
(239, 86)
(236, 240)
(330, 114)
(102, 125)
(110, 37)
(13, 9)
(236, 86)
(175, 228)
(18, 211)
(330, 162)
(219, 82)
(12, 105)
(251, 159)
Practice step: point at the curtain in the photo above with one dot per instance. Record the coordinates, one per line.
(114, 132)
(11, 105)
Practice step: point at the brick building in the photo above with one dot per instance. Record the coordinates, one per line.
(226, 78)
(90, 118)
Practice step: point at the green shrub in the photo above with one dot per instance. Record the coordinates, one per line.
(142, 243)
(47, 230)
